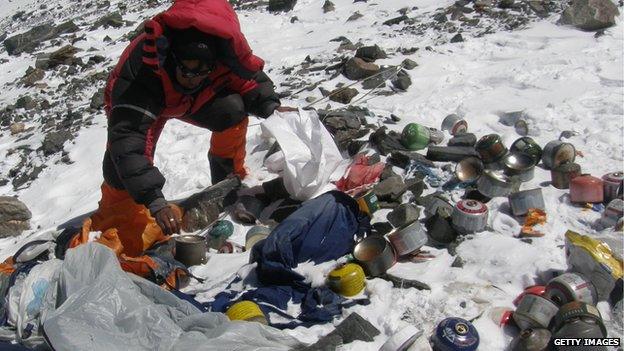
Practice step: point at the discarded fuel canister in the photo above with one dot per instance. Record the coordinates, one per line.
(570, 287)
(408, 238)
(519, 165)
(415, 137)
(375, 255)
(255, 234)
(538, 290)
(526, 127)
(470, 216)
(522, 201)
(246, 311)
(367, 202)
(493, 184)
(527, 146)
(454, 124)
(531, 340)
(534, 312)
(586, 188)
(613, 185)
(561, 175)
(557, 152)
(469, 169)
(579, 320)
(455, 334)
(347, 280)
(491, 148)
(613, 213)
(191, 249)
(402, 340)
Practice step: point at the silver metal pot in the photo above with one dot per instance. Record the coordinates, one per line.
(522, 201)
(519, 165)
(534, 312)
(557, 152)
(493, 184)
(375, 255)
(570, 287)
(191, 249)
(469, 169)
(408, 238)
(470, 216)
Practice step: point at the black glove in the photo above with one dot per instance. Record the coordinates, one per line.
(267, 108)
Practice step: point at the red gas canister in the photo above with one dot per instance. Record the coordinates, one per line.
(586, 188)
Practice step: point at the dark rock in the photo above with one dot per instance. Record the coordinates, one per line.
(434, 203)
(416, 186)
(112, 19)
(395, 118)
(33, 76)
(409, 64)
(402, 81)
(402, 283)
(53, 141)
(341, 39)
(457, 38)
(97, 59)
(402, 159)
(371, 53)
(440, 17)
(29, 41)
(590, 15)
(466, 139)
(382, 228)
(506, 4)
(294, 19)
(402, 215)
(354, 146)
(62, 56)
(390, 189)
(356, 68)
(26, 102)
(387, 173)
(27, 177)
(458, 262)
(14, 217)
(329, 342)
(440, 229)
(450, 153)
(386, 143)
(396, 20)
(355, 16)
(328, 6)
(343, 95)
(374, 82)
(354, 327)
(97, 100)
(281, 5)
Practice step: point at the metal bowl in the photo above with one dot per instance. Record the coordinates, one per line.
(519, 165)
(493, 184)
(469, 169)
(375, 255)
(407, 238)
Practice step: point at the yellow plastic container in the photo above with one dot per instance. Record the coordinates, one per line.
(246, 311)
(347, 280)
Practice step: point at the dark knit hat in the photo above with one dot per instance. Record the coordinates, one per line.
(191, 44)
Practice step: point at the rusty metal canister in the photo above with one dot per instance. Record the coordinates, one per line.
(519, 165)
(613, 185)
(191, 249)
(557, 152)
(522, 201)
(561, 175)
(454, 124)
(491, 148)
(579, 320)
(570, 287)
(469, 216)
(527, 146)
(534, 312)
(586, 188)
(531, 340)
(493, 184)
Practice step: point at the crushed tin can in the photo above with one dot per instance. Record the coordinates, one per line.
(531, 340)
(534, 312)
(518, 165)
(522, 201)
(454, 124)
(557, 152)
(570, 287)
(469, 216)
(578, 319)
(561, 175)
(469, 169)
(613, 185)
(453, 334)
(586, 189)
(526, 127)
(613, 213)
(493, 184)
(491, 148)
(527, 146)
(190, 249)
(368, 202)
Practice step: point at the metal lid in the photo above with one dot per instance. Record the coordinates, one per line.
(614, 177)
(189, 239)
(471, 206)
(518, 161)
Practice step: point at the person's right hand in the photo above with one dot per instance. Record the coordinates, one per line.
(168, 220)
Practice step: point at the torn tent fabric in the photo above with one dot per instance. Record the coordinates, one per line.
(323, 229)
(360, 175)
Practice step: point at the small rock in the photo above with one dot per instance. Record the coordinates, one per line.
(457, 38)
(25, 102)
(440, 17)
(328, 6)
(396, 20)
(409, 64)
(343, 95)
(97, 59)
(370, 53)
(112, 19)
(402, 159)
(465, 139)
(416, 186)
(14, 216)
(53, 141)
(33, 76)
(355, 16)
(402, 81)
(390, 189)
(353, 328)
(17, 128)
(62, 56)
(506, 4)
(356, 68)
(281, 5)
(458, 262)
(374, 82)
(590, 15)
(402, 215)
(97, 100)
(294, 19)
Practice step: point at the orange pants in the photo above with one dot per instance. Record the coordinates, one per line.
(230, 144)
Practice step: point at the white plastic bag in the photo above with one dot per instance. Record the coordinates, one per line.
(311, 158)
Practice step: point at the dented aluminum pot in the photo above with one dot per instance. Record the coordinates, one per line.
(491, 148)
(531, 340)
(469, 169)
(408, 238)
(454, 124)
(534, 312)
(528, 146)
(570, 287)
(493, 184)
(375, 255)
(522, 201)
(519, 165)
(470, 216)
(561, 175)
(557, 152)
(191, 249)
(613, 185)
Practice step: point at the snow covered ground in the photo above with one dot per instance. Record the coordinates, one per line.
(563, 78)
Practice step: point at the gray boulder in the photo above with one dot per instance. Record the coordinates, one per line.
(29, 41)
(356, 68)
(343, 95)
(53, 142)
(281, 5)
(14, 216)
(590, 15)
(370, 53)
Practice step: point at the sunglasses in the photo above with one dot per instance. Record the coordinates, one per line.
(191, 73)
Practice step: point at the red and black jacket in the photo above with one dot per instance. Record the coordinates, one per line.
(141, 93)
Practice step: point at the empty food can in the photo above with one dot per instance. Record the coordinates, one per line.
(557, 152)
(561, 175)
(526, 127)
(375, 255)
(579, 320)
(191, 249)
(527, 146)
(534, 312)
(531, 340)
(570, 287)
(408, 238)
(522, 201)
(469, 216)
(493, 184)
(255, 234)
(491, 148)
(518, 165)
(469, 169)
(613, 213)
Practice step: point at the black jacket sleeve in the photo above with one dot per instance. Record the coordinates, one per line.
(262, 100)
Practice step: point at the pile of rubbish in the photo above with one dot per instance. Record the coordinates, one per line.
(319, 209)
